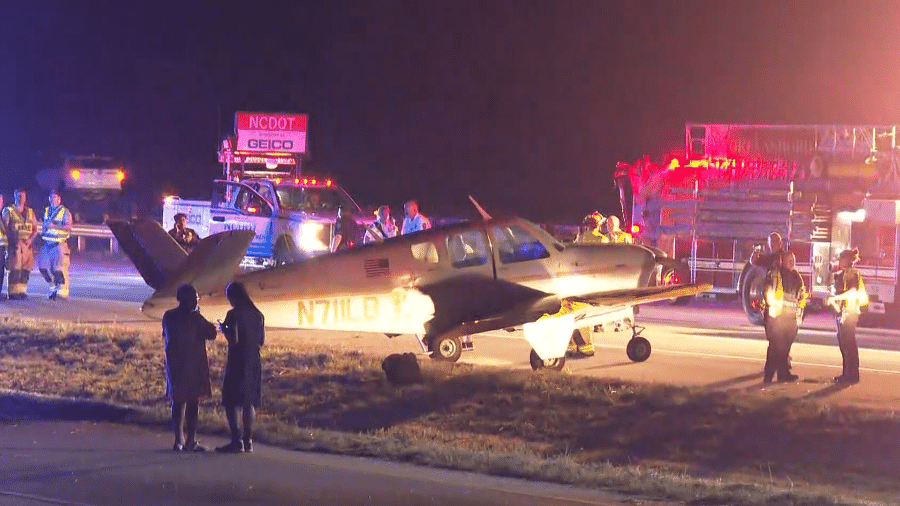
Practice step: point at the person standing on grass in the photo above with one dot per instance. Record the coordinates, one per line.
(244, 328)
(187, 367)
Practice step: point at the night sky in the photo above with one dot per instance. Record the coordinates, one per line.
(526, 105)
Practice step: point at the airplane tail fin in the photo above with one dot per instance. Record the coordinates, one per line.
(164, 265)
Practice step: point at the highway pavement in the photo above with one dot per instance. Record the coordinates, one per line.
(101, 463)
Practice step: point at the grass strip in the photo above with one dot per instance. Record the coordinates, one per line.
(692, 445)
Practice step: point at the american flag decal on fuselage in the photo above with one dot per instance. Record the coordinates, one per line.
(376, 267)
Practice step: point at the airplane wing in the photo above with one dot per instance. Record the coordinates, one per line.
(550, 334)
(635, 296)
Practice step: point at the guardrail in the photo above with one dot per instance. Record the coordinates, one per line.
(83, 230)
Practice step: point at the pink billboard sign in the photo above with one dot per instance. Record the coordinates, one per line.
(271, 132)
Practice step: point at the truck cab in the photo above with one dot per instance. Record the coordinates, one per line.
(293, 218)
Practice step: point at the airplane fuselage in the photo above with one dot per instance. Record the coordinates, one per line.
(434, 281)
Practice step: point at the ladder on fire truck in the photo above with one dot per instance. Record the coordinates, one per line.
(842, 141)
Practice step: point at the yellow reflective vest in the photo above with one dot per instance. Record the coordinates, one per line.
(22, 225)
(55, 222)
(618, 236)
(862, 299)
(776, 299)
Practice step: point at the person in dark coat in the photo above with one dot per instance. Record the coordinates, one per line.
(244, 328)
(187, 368)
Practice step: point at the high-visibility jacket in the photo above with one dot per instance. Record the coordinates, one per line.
(589, 236)
(619, 236)
(777, 299)
(3, 240)
(22, 225)
(55, 222)
(852, 304)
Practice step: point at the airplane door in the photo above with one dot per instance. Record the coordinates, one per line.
(520, 257)
(236, 206)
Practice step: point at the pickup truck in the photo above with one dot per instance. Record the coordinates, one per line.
(293, 219)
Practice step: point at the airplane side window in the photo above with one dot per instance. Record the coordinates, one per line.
(467, 249)
(425, 252)
(515, 244)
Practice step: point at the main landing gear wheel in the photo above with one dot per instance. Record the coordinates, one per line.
(638, 349)
(554, 364)
(445, 349)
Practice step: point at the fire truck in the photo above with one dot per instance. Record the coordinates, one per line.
(824, 188)
(264, 189)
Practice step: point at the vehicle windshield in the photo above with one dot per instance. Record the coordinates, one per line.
(91, 163)
(298, 198)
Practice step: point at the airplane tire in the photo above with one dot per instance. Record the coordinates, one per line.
(554, 364)
(638, 349)
(445, 349)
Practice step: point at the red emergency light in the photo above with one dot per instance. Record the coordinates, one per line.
(635, 229)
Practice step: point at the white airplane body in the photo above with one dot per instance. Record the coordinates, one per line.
(442, 284)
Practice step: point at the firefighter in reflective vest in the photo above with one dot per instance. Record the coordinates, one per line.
(785, 301)
(3, 244)
(53, 260)
(849, 296)
(614, 234)
(581, 343)
(21, 228)
(590, 229)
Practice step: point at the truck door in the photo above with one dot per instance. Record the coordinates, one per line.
(236, 206)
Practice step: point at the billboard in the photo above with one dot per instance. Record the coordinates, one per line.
(271, 132)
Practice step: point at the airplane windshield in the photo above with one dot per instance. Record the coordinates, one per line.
(546, 238)
(298, 198)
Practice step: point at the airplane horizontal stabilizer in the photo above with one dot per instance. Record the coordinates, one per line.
(635, 296)
(153, 251)
(549, 336)
(213, 262)
(165, 265)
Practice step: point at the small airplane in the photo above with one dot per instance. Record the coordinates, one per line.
(443, 284)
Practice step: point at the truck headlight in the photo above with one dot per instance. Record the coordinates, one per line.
(309, 237)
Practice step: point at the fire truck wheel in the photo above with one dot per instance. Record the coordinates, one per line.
(537, 363)
(445, 349)
(753, 288)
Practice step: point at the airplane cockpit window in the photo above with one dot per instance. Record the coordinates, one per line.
(467, 249)
(425, 252)
(515, 244)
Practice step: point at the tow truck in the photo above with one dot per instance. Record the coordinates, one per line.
(293, 215)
